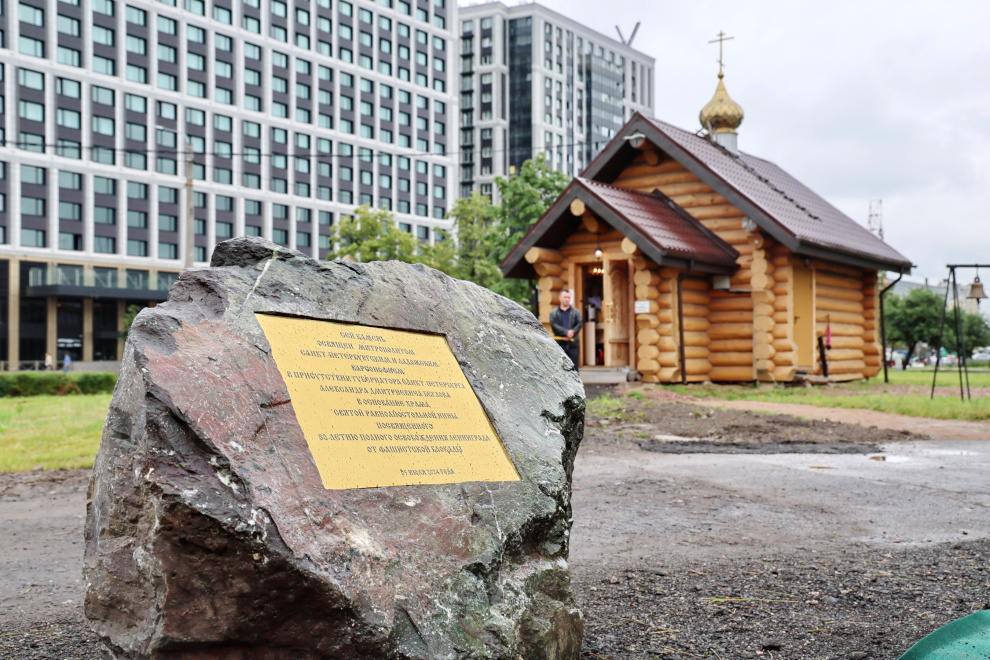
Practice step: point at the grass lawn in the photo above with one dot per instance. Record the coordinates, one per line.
(50, 432)
(907, 394)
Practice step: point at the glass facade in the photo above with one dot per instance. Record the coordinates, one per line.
(533, 81)
(292, 114)
(289, 111)
(520, 91)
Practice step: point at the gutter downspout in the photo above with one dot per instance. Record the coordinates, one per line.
(680, 328)
(883, 326)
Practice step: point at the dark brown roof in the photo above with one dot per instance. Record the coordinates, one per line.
(664, 224)
(783, 206)
(662, 230)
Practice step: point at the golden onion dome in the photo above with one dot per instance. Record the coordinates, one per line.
(721, 114)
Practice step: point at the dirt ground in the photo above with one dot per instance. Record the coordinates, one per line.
(699, 532)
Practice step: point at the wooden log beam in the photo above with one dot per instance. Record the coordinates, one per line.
(696, 338)
(646, 278)
(694, 311)
(649, 182)
(535, 254)
(844, 306)
(697, 366)
(732, 331)
(731, 345)
(841, 329)
(647, 352)
(647, 292)
(544, 269)
(696, 324)
(706, 198)
(648, 336)
(731, 316)
(825, 278)
(590, 222)
(836, 293)
(729, 302)
(734, 374)
(647, 366)
(694, 284)
(731, 359)
(696, 352)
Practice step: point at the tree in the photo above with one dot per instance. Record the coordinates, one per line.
(128, 319)
(484, 233)
(474, 219)
(976, 331)
(524, 198)
(442, 254)
(913, 319)
(372, 235)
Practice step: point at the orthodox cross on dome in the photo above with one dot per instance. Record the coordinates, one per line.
(721, 38)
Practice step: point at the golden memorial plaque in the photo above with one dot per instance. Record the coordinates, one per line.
(382, 407)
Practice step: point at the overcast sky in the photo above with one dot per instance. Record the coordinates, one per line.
(861, 100)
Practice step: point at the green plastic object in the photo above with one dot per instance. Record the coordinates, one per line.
(967, 638)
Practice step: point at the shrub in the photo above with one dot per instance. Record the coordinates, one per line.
(31, 383)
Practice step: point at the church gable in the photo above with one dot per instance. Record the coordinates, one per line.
(663, 232)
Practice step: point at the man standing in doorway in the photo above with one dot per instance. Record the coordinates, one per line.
(565, 321)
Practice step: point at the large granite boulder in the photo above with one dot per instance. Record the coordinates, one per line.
(209, 533)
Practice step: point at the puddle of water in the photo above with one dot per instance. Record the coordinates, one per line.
(666, 437)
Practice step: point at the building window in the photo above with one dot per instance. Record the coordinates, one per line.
(33, 175)
(137, 219)
(69, 211)
(32, 47)
(167, 251)
(69, 241)
(103, 215)
(32, 206)
(33, 237)
(137, 248)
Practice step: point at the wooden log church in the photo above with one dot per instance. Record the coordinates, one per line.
(693, 261)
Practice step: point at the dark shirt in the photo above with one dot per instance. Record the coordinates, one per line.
(563, 320)
(565, 317)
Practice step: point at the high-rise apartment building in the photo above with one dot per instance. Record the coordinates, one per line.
(532, 81)
(296, 111)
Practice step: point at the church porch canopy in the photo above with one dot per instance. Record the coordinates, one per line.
(664, 232)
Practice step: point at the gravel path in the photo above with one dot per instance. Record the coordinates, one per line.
(699, 533)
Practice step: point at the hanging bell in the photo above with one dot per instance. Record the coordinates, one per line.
(976, 291)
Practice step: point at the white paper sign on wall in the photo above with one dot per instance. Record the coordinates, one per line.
(642, 307)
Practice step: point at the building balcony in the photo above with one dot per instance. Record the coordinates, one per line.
(76, 282)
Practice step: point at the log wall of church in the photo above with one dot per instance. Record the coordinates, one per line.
(694, 311)
(749, 332)
(729, 331)
(839, 304)
(785, 348)
(647, 279)
(872, 350)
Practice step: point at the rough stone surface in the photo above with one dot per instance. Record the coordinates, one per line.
(209, 534)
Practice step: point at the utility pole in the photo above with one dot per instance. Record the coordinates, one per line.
(190, 220)
(874, 221)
